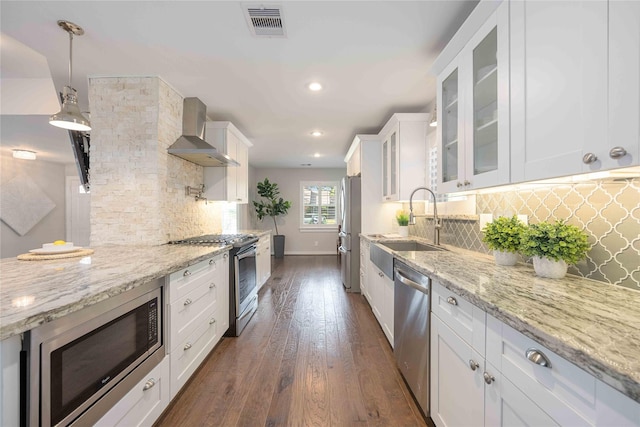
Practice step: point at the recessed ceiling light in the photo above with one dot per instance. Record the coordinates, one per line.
(316, 133)
(316, 155)
(24, 154)
(315, 86)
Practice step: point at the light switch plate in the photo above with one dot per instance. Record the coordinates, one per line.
(485, 219)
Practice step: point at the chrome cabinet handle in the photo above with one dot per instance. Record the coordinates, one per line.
(488, 378)
(459, 184)
(589, 158)
(187, 301)
(212, 262)
(186, 273)
(212, 321)
(380, 274)
(466, 183)
(617, 152)
(225, 256)
(187, 346)
(212, 285)
(537, 357)
(473, 364)
(452, 301)
(149, 384)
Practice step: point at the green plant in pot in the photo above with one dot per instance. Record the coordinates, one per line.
(553, 247)
(273, 206)
(504, 236)
(403, 223)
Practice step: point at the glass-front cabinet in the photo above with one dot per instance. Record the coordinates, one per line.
(473, 98)
(390, 167)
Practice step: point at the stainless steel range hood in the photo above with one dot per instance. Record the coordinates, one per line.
(191, 145)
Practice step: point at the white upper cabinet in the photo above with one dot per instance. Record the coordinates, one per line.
(473, 103)
(404, 155)
(558, 87)
(231, 183)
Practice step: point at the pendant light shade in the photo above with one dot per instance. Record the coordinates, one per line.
(70, 117)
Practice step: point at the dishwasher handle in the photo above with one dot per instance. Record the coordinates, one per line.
(415, 285)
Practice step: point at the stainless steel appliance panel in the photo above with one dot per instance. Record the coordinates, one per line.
(350, 220)
(412, 301)
(243, 297)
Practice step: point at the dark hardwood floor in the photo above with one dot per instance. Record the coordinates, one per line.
(313, 355)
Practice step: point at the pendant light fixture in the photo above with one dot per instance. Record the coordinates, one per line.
(70, 116)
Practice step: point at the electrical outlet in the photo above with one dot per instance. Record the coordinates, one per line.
(524, 219)
(485, 219)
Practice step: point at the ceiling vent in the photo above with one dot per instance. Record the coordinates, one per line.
(265, 20)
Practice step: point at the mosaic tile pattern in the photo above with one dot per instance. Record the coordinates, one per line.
(608, 210)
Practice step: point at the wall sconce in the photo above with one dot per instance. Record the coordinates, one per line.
(24, 154)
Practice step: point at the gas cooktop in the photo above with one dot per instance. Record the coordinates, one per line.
(218, 239)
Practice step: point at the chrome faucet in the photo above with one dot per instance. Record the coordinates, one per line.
(436, 220)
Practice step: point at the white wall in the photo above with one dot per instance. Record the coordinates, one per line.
(50, 178)
(288, 180)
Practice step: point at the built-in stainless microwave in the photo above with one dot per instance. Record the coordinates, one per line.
(81, 364)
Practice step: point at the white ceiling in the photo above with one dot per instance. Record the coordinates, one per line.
(372, 57)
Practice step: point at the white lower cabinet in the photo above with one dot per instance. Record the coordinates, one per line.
(198, 315)
(263, 260)
(365, 246)
(145, 401)
(515, 381)
(380, 289)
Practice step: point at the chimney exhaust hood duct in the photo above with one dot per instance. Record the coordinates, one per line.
(191, 145)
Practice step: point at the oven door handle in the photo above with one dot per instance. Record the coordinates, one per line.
(247, 312)
(250, 251)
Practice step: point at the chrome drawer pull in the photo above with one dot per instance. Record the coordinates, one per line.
(212, 262)
(150, 383)
(225, 256)
(187, 346)
(617, 152)
(188, 301)
(212, 321)
(186, 273)
(488, 378)
(473, 364)
(452, 301)
(537, 357)
(212, 285)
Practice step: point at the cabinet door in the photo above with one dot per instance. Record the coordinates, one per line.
(232, 143)
(624, 87)
(450, 130)
(457, 385)
(506, 405)
(486, 115)
(385, 170)
(558, 85)
(387, 302)
(242, 173)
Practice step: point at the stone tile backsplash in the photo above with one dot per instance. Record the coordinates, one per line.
(608, 210)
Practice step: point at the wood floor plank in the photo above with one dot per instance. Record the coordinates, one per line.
(312, 355)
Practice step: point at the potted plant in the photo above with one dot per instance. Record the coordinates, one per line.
(272, 206)
(403, 223)
(553, 247)
(504, 235)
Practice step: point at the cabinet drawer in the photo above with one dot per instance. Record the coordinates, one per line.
(140, 406)
(466, 320)
(561, 389)
(184, 281)
(185, 313)
(189, 353)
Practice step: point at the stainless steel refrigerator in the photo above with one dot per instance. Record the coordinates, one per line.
(350, 234)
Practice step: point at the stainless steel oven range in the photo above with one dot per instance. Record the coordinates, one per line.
(78, 366)
(243, 292)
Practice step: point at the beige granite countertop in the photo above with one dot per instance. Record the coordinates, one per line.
(592, 324)
(34, 292)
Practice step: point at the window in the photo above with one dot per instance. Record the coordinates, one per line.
(319, 205)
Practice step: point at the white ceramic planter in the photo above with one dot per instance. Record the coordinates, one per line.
(545, 267)
(403, 230)
(505, 258)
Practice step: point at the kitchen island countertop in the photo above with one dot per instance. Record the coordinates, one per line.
(592, 324)
(35, 292)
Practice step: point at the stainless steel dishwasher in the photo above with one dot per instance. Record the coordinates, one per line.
(412, 303)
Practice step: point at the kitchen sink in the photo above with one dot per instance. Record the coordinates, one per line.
(381, 253)
(409, 246)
